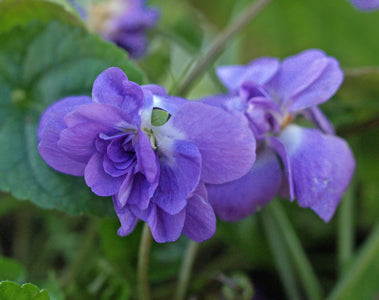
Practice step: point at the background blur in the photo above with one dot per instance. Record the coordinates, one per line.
(81, 257)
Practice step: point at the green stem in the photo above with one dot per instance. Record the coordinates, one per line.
(185, 270)
(143, 264)
(345, 231)
(354, 72)
(306, 273)
(367, 253)
(220, 42)
(280, 253)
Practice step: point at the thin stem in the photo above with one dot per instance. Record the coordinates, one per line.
(220, 42)
(307, 275)
(185, 270)
(143, 264)
(367, 253)
(280, 253)
(346, 231)
(353, 72)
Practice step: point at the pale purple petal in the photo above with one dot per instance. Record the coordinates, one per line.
(110, 168)
(200, 222)
(79, 142)
(127, 219)
(168, 103)
(277, 145)
(322, 167)
(146, 156)
(238, 199)
(55, 113)
(98, 180)
(50, 126)
(164, 227)
(305, 80)
(86, 124)
(125, 189)
(180, 169)
(112, 87)
(117, 153)
(219, 136)
(366, 4)
(319, 119)
(107, 116)
(259, 71)
(155, 89)
(141, 191)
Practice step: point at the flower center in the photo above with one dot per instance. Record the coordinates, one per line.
(152, 139)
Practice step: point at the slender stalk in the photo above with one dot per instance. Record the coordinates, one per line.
(345, 244)
(353, 72)
(220, 42)
(367, 253)
(185, 270)
(280, 253)
(143, 264)
(307, 275)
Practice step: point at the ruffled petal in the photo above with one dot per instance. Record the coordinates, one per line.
(259, 71)
(98, 180)
(305, 80)
(86, 123)
(113, 87)
(146, 156)
(164, 227)
(200, 222)
(127, 219)
(238, 199)
(226, 144)
(319, 119)
(50, 126)
(180, 169)
(322, 167)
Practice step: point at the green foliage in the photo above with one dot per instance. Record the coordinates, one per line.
(11, 270)
(51, 61)
(159, 117)
(12, 291)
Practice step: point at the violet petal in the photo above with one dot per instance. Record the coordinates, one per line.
(322, 167)
(238, 199)
(200, 222)
(219, 136)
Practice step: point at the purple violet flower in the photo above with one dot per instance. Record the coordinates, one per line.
(366, 4)
(124, 22)
(309, 164)
(154, 173)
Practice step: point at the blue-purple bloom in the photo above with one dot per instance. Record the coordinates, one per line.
(154, 173)
(309, 164)
(366, 4)
(124, 22)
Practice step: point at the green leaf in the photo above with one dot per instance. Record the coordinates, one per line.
(12, 291)
(22, 12)
(11, 270)
(159, 117)
(50, 61)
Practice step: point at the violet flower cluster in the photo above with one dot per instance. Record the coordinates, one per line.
(154, 173)
(309, 164)
(124, 22)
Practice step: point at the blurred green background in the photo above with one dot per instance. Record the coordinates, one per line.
(81, 257)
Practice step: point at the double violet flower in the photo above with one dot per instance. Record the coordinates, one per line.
(154, 173)
(309, 164)
(124, 22)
